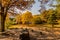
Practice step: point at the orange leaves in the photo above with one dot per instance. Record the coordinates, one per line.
(5, 2)
(26, 17)
(19, 3)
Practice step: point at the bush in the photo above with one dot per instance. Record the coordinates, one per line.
(36, 20)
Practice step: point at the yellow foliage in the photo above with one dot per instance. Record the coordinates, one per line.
(36, 19)
(18, 18)
(26, 17)
(5, 2)
(44, 15)
(7, 18)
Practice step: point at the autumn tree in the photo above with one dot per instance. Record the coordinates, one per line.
(57, 9)
(6, 5)
(36, 19)
(18, 18)
(7, 21)
(26, 17)
(52, 19)
(45, 14)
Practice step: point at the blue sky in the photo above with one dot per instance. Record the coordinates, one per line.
(35, 8)
(37, 4)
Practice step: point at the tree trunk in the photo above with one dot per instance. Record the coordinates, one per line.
(2, 20)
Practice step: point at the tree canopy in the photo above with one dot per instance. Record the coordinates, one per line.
(6, 5)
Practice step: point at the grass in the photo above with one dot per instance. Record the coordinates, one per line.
(37, 26)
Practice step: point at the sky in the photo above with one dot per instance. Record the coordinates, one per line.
(37, 7)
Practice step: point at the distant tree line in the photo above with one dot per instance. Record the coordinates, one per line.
(46, 17)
